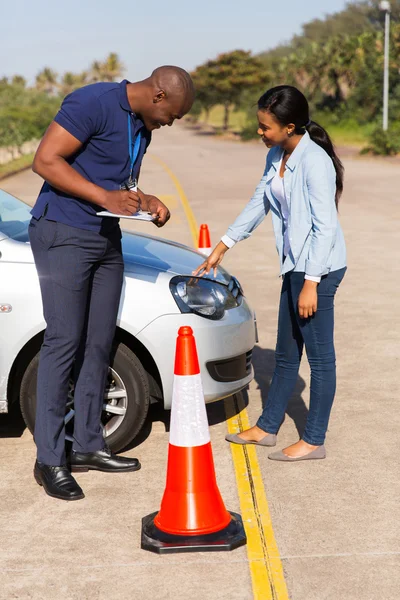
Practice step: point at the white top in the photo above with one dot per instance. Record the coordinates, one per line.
(278, 190)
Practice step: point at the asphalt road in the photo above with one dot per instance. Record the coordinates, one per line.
(336, 522)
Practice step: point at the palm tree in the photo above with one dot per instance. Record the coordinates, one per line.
(112, 67)
(96, 72)
(82, 78)
(68, 83)
(109, 70)
(19, 81)
(46, 81)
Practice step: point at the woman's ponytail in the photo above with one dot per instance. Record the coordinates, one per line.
(320, 136)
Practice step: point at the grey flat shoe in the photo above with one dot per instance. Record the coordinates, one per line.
(319, 452)
(268, 440)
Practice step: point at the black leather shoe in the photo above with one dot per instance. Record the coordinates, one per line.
(102, 460)
(57, 482)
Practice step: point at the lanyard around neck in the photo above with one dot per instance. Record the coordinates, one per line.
(133, 152)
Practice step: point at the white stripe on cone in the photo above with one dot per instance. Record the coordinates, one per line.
(189, 424)
(205, 251)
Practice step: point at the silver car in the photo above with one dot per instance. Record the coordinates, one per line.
(159, 296)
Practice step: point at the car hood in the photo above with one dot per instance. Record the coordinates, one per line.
(141, 254)
(146, 251)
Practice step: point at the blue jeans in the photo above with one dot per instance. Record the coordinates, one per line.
(80, 274)
(316, 334)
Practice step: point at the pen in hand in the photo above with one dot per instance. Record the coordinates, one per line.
(134, 189)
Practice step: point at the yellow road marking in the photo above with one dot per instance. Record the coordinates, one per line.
(185, 202)
(264, 561)
(262, 550)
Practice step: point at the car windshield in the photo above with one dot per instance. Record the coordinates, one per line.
(14, 217)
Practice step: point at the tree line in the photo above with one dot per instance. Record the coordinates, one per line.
(337, 62)
(26, 111)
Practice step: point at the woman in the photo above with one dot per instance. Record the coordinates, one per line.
(301, 186)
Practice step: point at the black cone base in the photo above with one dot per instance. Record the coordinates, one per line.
(229, 538)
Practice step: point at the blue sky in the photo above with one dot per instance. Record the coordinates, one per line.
(69, 35)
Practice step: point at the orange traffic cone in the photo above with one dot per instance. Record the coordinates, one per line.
(204, 240)
(192, 516)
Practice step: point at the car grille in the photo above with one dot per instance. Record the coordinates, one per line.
(231, 369)
(236, 289)
(249, 356)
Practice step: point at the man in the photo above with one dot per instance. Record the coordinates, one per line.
(90, 160)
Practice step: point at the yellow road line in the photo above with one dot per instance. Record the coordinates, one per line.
(185, 202)
(264, 561)
(262, 550)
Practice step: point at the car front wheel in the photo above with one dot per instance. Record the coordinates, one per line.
(126, 398)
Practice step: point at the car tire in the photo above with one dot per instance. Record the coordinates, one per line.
(127, 370)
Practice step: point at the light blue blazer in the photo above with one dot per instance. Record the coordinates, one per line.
(316, 238)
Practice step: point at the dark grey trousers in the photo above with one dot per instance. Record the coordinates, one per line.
(81, 274)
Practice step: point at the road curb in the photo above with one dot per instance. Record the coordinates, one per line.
(15, 172)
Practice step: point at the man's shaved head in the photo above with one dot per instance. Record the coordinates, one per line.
(166, 95)
(174, 81)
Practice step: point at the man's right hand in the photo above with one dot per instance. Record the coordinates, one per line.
(122, 202)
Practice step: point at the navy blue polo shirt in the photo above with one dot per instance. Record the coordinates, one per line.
(97, 115)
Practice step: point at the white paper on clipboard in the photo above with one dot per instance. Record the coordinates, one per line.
(141, 215)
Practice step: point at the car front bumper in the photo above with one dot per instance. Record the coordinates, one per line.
(222, 347)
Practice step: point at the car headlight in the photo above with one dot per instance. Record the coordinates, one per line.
(205, 297)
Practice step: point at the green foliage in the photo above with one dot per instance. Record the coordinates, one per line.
(196, 110)
(18, 80)
(72, 81)
(108, 70)
(46, 81)
(384, 143)
(226, 79)
(375, 15)
(25, 113)
(353, 20)
(216, 115)
(249, 131)
(337, 63)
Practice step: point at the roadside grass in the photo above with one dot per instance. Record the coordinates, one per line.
(16, 165)
(237, 118)
(343, 137)
(348, 133)
(344, 133)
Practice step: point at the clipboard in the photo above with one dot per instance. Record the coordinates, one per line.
(141, 215)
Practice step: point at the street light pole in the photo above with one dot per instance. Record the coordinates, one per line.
(385, 6)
